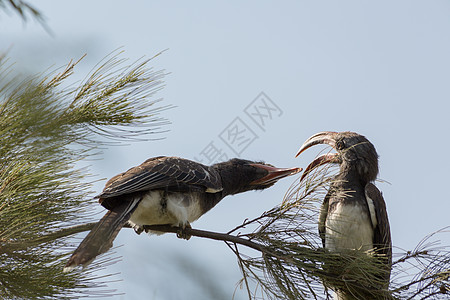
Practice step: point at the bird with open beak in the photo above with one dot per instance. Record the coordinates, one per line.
(353, 214)
(169, 190)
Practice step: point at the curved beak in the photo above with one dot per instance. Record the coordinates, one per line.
(274, 174)
(325, 137)
(319, 161)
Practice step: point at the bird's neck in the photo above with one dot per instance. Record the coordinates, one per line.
(351, 176)
(229, 189)
(354, 172)
(232, 184)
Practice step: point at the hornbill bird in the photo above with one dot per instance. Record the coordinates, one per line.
(353, 214)
(169, 190)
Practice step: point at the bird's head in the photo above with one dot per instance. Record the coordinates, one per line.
(240, 175)
(354, 153)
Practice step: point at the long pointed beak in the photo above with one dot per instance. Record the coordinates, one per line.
(274, 174)
(326, 137)
(319, 161)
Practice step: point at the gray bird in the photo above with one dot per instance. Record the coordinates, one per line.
(353, 215)
(169, 190)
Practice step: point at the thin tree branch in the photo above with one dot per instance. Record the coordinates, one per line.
(210, 235)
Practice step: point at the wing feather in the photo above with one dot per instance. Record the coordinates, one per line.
(382, 233)
(169, 173)
(323, 217)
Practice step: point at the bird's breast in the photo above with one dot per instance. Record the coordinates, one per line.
(348, 226)
(160, 207)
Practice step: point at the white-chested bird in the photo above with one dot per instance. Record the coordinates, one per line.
(169, 190)
(353, 215)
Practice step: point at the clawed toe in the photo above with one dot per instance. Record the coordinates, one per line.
(138, 229)
(181, 233)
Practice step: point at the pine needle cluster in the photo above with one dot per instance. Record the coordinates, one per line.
(47, 126)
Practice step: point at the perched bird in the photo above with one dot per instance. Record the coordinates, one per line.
(353, 215)
(169, 190)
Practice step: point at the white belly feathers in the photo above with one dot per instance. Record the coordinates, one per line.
(348, 227)
(175, 209)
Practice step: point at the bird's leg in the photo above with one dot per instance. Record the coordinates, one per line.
(181, 233)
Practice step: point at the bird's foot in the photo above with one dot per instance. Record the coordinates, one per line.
(138, 229)
(181, 233)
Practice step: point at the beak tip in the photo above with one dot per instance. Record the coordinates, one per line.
(325, 137)
(299, 152)
(275, 174)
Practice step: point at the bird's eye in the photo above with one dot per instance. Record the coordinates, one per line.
(340, 145)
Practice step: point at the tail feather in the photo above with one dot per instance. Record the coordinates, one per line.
(101, 237)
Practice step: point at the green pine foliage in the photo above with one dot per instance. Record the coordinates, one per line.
(47, 126)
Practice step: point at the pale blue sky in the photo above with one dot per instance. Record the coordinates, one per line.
(380, 68)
